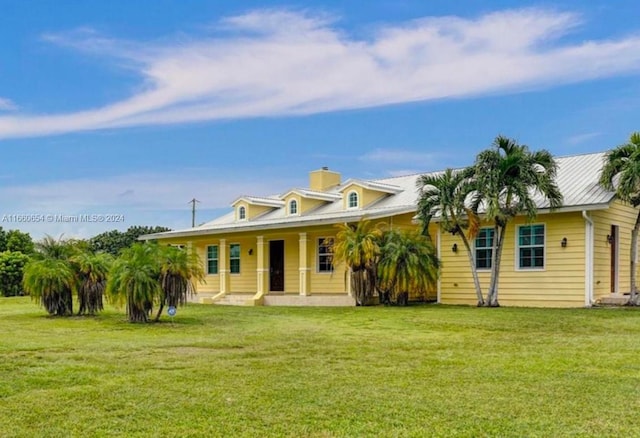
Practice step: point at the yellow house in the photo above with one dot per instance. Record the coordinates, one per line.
(277, 250)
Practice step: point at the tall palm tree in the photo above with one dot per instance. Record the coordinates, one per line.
(179, 271)
(407, 263)
(507, 176)
(621, 172)
(443, 196)
(134, 280)
(52, 282)
(91, 271)
(358, 247)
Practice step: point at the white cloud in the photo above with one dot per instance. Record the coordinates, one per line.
(274, 63)
(7, 105)
(142, 198)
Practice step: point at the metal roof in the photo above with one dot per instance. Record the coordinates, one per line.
(577, 179)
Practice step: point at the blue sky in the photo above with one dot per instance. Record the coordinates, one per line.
(134, 108)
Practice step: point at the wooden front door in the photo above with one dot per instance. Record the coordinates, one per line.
(276, 266)
(614, 258)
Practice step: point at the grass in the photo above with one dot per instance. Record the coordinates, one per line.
(321, 372)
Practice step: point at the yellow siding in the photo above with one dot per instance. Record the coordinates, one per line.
(246, 280)
(307, 204)
(291, 264)
(561, 283)
(624, 216)
(324, 282)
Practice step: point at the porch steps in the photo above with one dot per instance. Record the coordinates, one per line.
(235, 299)
(613, 300)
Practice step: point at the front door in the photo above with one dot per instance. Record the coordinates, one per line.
(276, 266)
(613, 239)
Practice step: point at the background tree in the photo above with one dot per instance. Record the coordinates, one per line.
(114, 241)
(357, 246)
(443, 196)
(3, 240)
(18, 241)
(407, 263)
(621, 172)
(11, 272)
(507, 176)
(91, 272)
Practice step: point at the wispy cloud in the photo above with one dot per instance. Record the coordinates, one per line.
(7, 105)
(399, 156)
(275, 63)
(581, 138)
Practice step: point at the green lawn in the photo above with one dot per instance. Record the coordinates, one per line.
(232, 371)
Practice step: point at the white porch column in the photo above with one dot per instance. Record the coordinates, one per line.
(303, 265)
(349, 291)
(262, 268)
(223, 260)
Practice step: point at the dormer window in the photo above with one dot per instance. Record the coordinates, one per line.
(293, 207)
(242, 213)
(352, 200)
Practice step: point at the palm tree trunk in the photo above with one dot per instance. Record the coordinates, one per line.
(633, 298)
(474, 270)
(159, 311)
(492, 295)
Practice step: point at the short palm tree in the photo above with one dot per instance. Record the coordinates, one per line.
(506, 176)
(134, 280)
(91, 271)
(443, 196)
(407, 263)
(357, 246)
(179, 271)
(621, 172)
(52, 282)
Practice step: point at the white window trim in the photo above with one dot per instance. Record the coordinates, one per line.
(239, 258)
(358, 201)
(206, 262)
(475, 255)
(242, 207)
(517, 248)
(318, 271)
(297, 213)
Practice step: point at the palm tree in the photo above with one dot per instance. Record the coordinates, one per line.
(507, 175)
(52, 282)
(91, 271)
(443, 196)
(179, 271)
(407, 263)
(621, 172)
(358, 247)
(134, 280)
(49, 277)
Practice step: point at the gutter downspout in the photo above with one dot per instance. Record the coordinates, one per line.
(439, 287)
(588, 260)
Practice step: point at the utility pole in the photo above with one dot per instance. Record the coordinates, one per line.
(193, 211)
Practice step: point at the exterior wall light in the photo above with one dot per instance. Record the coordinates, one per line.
(563, 243)
(454, 248)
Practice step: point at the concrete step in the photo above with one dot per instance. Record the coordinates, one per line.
(614, 300)
(234, 300)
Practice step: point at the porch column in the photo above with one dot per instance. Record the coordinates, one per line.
(349, 291)
(223, 260)
(262, 268)
(303, 265)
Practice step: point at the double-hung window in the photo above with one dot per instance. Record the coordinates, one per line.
(234, 258)
(531, 246)
(325, 254)
(212, 259)
(484, 248)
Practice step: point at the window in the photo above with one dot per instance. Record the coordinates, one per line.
(242, 213)
(212, 259)
(484, 248)
(293, 207)
(531, 247)
(325, 254)
(234, 258)
(352, 200)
